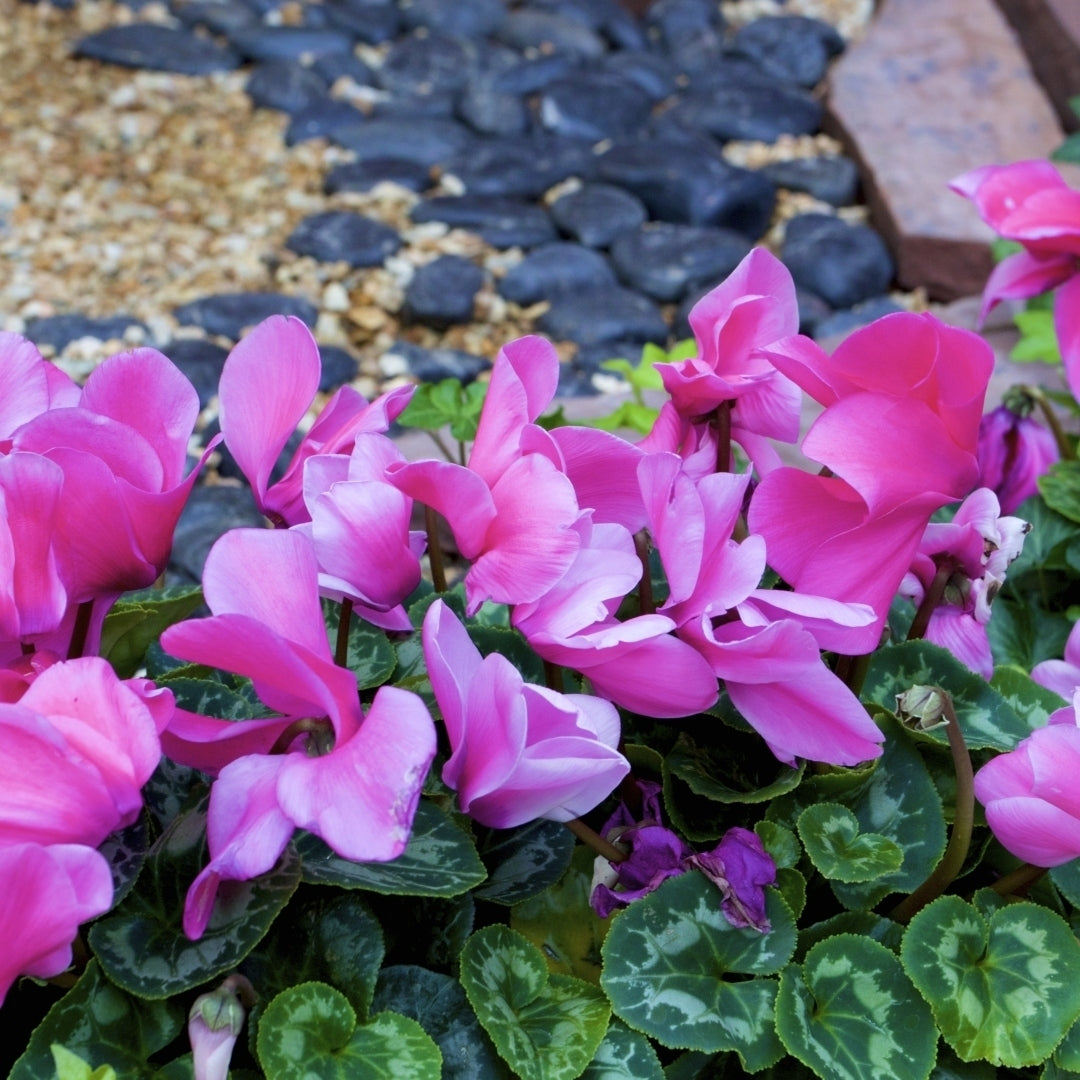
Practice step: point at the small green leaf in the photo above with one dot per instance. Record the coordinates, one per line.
(137, 620)
(309, 1032)
(830, 833)
(1067, 1054)
(101, 1024)
(780, 843)
(1038, 339)
(141, 945)
(523, 861)
(440, 860)
(446, 403)
(70, 1066)
(1069, 150)
(665, 961)
(850, 1013)
(546, 1027)
(1060, 487)
(623, 1055)
(439, 1005)
(1004, 989)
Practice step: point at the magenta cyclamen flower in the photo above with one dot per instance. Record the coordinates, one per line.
(49, 891)
(753, 307)
(1030, 794)
(122, 449)
(353, 780)
(1013, 451)
(520, 751)
(903, 399)
(1029, 202)
(1062, 676)
(267, 386)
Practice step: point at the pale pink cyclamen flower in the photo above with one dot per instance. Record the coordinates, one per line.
(267, 385)
(752, 308)
(352, 780)
(77, 747)
(1030, 794)
(520, 751)
(764, 644)
(122, 449)
(969, 556)
(1013, 451)
(903, 400)
(1030, 202)
(49, 891)
(359, 528)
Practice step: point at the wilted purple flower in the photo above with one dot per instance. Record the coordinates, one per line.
(740, 867)
(1013, 452)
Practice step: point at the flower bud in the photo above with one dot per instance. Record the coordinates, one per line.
(214, 1024)
(922, 707)
(1013, 452)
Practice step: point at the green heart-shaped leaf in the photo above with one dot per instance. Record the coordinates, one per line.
(665, 961)
(309, 1032)
(623, 1055)
(1002, 989)
(850, 1012)
(830, 833)
(545, 1027)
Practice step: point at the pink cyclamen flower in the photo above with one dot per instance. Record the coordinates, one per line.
(268, 383)
(970, 554)
(29, 385)
(122, 449)
(77, 748)
(350, 779)
(753, 307)
(1030, 793)
(1030, 202)
(360, 530)
(215, 1021)
(763, 643)
(1013, 451)
(512, 510)
(903, 400)
(49, 891)
(520, 751)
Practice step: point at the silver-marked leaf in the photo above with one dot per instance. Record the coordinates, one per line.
(1067, 1054)
(780, 843)
(546, 1027)
(137, 620)
(1032, 702)
(836, 846)
(623, 1055)
(371, 656)
(125, 851)
(665, 961)
(898, 801)
(986, 719)
(850, 1013)
(1004, 989)
(1067, 878)
(104, 1026)
(440, 860)
(141, 945)
(523, 862)
(439, 1005)
(309, 1032)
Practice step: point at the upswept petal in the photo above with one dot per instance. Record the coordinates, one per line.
(1022, 275)
(246, 832)
(807, 365)
(267, 384)
(531, 541)
(1067, 327)
(76, 884)
(603, 469)
(163, 410)
(1034, 830)
(523, 381)
(208, 744)
(997, 190)
(361, 798)
(457, 493)
(24, 388)
(452, 663)
(836, 626)
(289, 678)
(964, 636)
(284, 598)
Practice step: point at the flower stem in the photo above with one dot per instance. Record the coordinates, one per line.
(1065, 447)
(646, 603)
(553, 677)
(593, 839)
(341, 651)
(929, 602)
(80, 629)
(721, 422)
(1018, 881)
(435, 559)
(960, 838)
